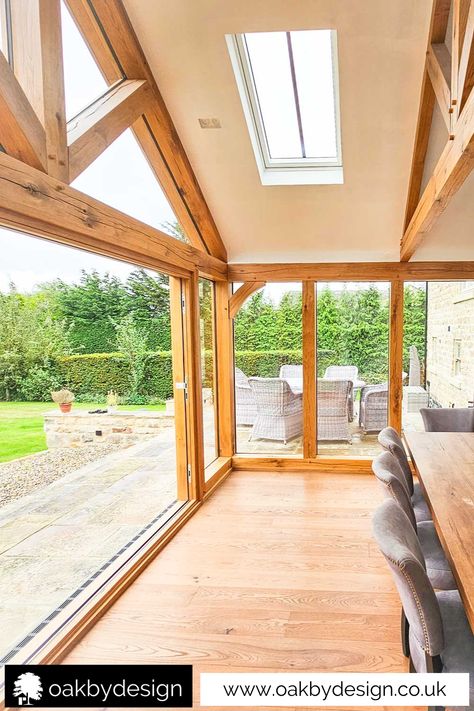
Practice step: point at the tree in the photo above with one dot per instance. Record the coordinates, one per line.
(414, 322)
(90, 308)
(30, 340)
(255, 326)
(289, 323)
(329, 330)
(148, 298)
(175, 230)
(131, 342)
(367, 335)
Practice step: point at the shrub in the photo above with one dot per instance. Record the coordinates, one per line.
(39, 383)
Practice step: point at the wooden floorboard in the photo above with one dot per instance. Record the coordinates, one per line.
(276, 572)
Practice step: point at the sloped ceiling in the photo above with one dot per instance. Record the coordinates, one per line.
(381, 56)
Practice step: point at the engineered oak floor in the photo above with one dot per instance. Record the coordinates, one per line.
(276, 572)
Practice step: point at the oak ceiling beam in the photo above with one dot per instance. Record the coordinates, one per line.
(36, 203)
(438, 65)
(466, 62)
(459, 24)
(21, 132)
(129, 56)
(38, 66)
(454, 166)
(357, 271)
(95, 128)
(436, 35)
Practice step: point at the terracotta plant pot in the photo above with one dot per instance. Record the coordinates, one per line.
(65, 406)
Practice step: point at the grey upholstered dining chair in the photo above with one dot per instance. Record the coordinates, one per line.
(448, 419)
(435, 631)
(388, 471)
(392, 442)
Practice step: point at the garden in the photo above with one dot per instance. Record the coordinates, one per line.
(105, 334)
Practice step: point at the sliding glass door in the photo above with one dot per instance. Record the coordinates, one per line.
(93, 453)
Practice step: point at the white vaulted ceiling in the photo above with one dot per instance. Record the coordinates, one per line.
(381, 57)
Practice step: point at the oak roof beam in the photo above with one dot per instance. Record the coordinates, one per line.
(21, 132)
(97, 127)
(128, 55)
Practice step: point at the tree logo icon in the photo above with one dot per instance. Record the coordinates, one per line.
(28, 688)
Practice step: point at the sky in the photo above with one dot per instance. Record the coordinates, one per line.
(120, 177)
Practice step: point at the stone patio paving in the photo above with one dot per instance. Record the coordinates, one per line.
(53, 539)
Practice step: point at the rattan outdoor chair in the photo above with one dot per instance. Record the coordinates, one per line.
(333, 398)
(245, 406)
(291, 371)
(279, 410)
(373, 407)
(344, 372)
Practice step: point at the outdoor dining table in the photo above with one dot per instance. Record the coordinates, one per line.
(444, 463)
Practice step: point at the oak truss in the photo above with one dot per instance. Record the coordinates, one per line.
(448, 79)
(33, 125)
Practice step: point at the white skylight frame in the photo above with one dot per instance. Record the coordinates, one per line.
(283, 171)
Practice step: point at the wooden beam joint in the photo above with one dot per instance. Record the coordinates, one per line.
(241, 295)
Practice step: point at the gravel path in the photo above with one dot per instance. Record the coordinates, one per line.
(21, 476)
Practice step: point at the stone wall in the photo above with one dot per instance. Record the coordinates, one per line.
(79, 428)
(450, 325)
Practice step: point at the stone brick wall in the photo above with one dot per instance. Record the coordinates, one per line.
(450, 332)
(79, 428)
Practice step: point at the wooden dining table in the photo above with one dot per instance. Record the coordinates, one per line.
(444, 463)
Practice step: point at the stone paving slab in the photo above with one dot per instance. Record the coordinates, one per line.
(55, 538)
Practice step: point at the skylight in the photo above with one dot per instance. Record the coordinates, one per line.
(288, 85)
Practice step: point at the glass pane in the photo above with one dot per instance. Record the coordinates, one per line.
(312, 54)
(80, 486)
(415, 394)
(438, 348)
(83, 80)
(268, 52)
(269, 373)
(353, 346)
(208, 369)
(122, 178)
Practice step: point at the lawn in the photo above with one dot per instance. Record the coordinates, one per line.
(21, 425)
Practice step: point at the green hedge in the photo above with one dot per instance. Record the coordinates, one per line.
(266, 364)
(97, 373)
